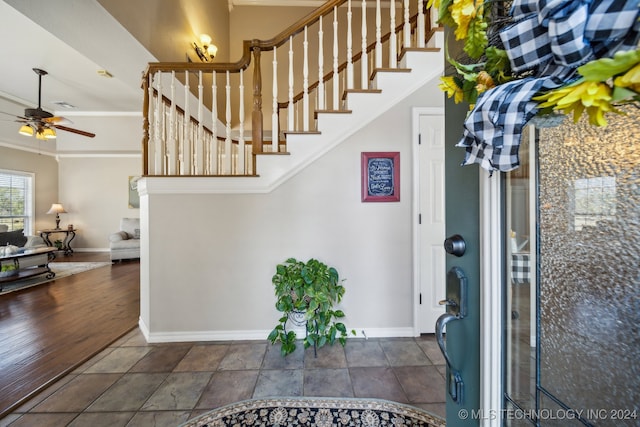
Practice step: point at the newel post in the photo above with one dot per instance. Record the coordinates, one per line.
(256, 116)
(145, 124)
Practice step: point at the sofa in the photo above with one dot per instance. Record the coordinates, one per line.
(125, 243)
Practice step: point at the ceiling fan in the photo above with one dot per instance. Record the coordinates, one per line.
(42, 123)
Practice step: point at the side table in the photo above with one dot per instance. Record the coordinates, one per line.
(70, 234)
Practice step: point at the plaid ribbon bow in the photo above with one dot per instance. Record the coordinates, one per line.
(551, 38)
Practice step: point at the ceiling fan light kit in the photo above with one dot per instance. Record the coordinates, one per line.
(42, 124)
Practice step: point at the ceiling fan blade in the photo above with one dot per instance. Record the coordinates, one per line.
(57, 121)
(79, 132)
(9, 114)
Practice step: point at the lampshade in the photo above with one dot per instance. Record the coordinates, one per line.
(212, 50)
(205, 39)
(56, 208)
(49, 133)
(26, 130)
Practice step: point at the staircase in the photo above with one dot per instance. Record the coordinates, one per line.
(190, 131)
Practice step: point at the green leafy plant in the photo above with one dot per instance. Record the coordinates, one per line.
(8, 267)
(58, 244)
(307, 293)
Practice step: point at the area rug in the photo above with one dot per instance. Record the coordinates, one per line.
(320, 412)
(62, 269)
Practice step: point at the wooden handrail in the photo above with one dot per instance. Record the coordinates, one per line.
(251, 54)
(248, 46)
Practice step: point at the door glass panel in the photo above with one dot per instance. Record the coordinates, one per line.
(590, 263)
(572, 333)
(521, 314)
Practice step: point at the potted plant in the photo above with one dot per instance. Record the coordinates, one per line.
(58, 244)
(306, 295)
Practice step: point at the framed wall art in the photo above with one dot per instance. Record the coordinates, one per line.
(380, 176)
(134, 198)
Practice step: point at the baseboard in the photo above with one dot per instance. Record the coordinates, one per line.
(257, 335)
(90, 249)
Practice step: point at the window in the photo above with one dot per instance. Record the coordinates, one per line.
(594, 200)
(16, 200)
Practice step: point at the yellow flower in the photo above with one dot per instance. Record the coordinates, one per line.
(435, 4)
(450, 87)
(630, 79)
(594, 97)
(463, 12)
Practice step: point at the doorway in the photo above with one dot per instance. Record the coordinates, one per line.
(429, 212)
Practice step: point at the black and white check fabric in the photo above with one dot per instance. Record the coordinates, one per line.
(549, 38)
(520, 268)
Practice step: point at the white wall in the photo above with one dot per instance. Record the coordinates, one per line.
(94, 191)
(209, 258)
(94, 175)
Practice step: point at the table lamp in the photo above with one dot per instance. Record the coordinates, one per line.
(57, 209)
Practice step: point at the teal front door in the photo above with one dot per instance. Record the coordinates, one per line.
(462, 215)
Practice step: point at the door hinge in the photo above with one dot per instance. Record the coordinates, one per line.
(419, 139)
(419, 218)
(420, 299)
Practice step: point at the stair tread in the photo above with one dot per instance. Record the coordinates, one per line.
(316, 112)
(302, 132)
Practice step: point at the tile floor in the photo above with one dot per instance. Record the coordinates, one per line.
(133, 383)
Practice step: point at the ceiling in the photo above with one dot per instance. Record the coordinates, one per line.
(73, 40)
(38, 35)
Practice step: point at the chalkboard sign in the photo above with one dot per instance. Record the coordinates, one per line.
(381, 177)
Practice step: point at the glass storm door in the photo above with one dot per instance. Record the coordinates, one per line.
(572, 276)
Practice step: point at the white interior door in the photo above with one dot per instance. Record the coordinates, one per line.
(430, 203)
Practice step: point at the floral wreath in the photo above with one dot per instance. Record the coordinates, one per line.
(562, 69)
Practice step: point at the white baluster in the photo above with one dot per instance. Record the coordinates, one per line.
(305, 82)
(336, 77)
(364, 61)
(227, 141)
(275, 131)
(349, 47)
(321, 103)
(378, 35)
(240, 166)
(159, 122)
(290, 112)
(172, 140)
(186, 122)
(407, 26)
(213, 149)
(393, 38)
(420, 24)
(199, 143)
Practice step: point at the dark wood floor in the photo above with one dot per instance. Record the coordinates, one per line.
(47, 331)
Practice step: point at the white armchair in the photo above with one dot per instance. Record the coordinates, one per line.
(125, 244)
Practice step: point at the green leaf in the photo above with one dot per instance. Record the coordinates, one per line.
(332, 334)
(341, 327)
(497, 61)
(604, 68)
(444, 14)
(476, 41)
(322, 341)
(338, 314)
(273, 335)
(621, 94)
